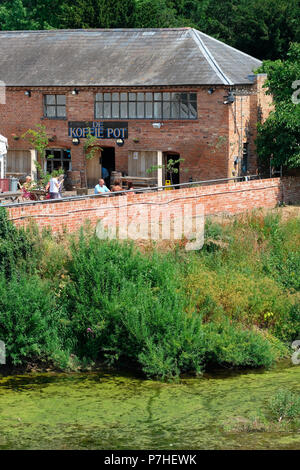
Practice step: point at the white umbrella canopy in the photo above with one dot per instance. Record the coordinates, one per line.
(3, 145)
(3, 152)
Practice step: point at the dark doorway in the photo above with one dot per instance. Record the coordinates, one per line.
(174, 176)
(108, 161)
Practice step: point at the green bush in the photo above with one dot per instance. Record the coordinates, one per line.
(15, 246)
(31, 323)
(128, 306)
(228, 344)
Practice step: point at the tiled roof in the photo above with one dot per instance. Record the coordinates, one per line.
(120, 57)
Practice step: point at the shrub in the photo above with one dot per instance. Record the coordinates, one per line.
(30, 320)
(229, 344)
(15, 245)
(126, 306)
(285, 405)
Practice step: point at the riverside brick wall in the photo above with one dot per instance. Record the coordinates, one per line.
(228, 198)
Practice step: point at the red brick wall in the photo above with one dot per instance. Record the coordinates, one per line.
(207, 144)
(291, 189)
(221, 198)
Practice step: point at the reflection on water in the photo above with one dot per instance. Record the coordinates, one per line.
(110, 411)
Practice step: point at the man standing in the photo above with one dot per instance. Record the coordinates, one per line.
(105, 175)
(54, 188)
(101, 188)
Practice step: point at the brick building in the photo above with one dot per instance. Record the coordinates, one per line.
(147, 95)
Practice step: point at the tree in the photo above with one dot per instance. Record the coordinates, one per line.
(261, 28)
(154, 14)
(116, 14)
(46, 14)
(14, 16)
(79, 14)
(171, 167)
(39, 141)
(278, 140)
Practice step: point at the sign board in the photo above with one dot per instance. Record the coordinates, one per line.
(99, 129)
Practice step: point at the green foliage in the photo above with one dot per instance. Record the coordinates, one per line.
(125, 306)
(116, 14)
(14, 16)
(171, 167)
(90, 146)
(249, 271)
(15, 246)
(155, 13)
(39, 140)
(167, 313)
(30, 321)
(229, 344)
(278, 138)
(285, 405)
(262, 28)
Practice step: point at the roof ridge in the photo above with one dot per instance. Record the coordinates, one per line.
(227, 45)
(210, 58)
(183, 28)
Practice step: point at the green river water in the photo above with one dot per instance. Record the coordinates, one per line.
(99, 410)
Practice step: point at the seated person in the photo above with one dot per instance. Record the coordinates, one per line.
(26, 189)
(117, 187)
(101, 188)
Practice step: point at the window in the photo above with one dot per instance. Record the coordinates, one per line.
(55, 106)
(58, 158)
(146, 105)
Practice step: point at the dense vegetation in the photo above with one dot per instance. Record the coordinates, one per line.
(73, 300)
(279, 137)
(262, 28)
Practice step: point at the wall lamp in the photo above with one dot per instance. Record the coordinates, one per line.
(211, 90)
(120, 142)
(229, 99)
(75, 91)
(75, 141)
(28, 93)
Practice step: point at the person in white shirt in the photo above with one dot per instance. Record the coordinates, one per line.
(54, 188)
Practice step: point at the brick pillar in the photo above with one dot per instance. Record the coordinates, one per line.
(79, 161)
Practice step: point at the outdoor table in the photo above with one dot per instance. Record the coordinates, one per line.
(39, 193)
(139, 179)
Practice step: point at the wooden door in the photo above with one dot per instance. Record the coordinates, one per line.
(139, 162)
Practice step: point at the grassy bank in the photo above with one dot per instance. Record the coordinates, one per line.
(72, 300)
